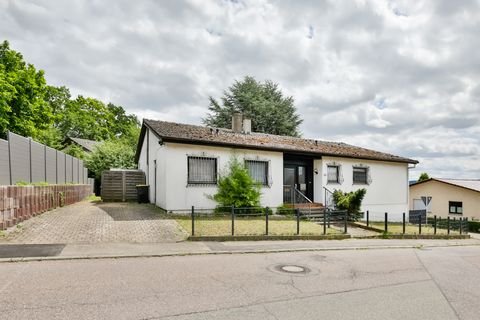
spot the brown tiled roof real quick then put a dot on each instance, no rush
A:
(186, 133)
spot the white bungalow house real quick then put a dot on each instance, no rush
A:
(182, 163)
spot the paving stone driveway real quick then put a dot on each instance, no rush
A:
(88, 222)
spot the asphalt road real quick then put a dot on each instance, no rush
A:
(433, 283)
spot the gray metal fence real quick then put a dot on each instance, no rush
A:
(24, 160)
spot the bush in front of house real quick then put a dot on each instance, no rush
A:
(237, 188)
(350, 201)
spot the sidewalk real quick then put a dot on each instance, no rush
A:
(25, 252)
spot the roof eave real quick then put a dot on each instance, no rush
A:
(284, 150)
(445, 182)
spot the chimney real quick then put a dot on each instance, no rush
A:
(237, 122)
(247, 126)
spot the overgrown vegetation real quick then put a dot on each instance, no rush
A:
(110, 154)
(350, 201)
(237, 188)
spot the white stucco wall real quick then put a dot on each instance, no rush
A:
(180, 195)
(317, 181)
(387, 192)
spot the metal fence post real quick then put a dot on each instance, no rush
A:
(420, 224)
(297, 211)
(435, 224)
(448, 225)
(403, 223)
(454, 223)
(386, 222)
(233, 220)
(345, 222)
(466, 223)
(460, 227)
(368, 218)
(266, 221)
(324, 222)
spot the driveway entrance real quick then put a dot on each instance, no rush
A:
(89, 222)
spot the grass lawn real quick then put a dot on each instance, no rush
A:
(397, 228)
(221, 226)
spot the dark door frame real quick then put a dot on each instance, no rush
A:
(296, 161)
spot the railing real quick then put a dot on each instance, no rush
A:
(288, 192)
(295, 197)
(329, 203)
(301, 201)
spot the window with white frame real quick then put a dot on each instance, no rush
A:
(360, 175)
(258, 170)
(202, 170)
(333, 174)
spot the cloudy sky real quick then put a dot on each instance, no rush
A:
(396, 76)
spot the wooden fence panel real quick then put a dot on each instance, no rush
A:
(120, 185)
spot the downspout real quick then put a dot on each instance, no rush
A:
(408, 182)
(148, 156)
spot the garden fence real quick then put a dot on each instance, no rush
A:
(24, 160)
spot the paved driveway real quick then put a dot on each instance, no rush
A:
(88, 222)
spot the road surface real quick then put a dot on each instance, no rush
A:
(432, 283)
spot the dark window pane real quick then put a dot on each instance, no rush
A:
(360, 175)
(455, 207)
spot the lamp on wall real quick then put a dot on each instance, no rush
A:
(315, 170)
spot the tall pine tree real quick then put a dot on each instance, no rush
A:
(264, 103)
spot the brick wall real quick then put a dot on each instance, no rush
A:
(19, 203)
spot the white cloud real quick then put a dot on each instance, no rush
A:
(397, 76)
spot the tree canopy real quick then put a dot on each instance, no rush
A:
(423, 176)
(48, 114)
(23, 108)
(264, 103)
(110, 154)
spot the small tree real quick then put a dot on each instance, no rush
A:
(110, 154)
(237, 188)
(350, 201)
(424, 176)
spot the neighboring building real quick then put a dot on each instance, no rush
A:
(182, 164)
(447, 197)
(85, 144)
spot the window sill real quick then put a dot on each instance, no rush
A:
(189, 185)
(360, 184)
(333, 182)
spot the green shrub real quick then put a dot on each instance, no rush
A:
(237, 188)
(284, 209)
(350, 201)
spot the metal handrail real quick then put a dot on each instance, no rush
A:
(328, 199)
(304, 196)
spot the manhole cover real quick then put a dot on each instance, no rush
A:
(293, 269)
(290, 268)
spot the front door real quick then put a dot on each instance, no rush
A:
(295, 176)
